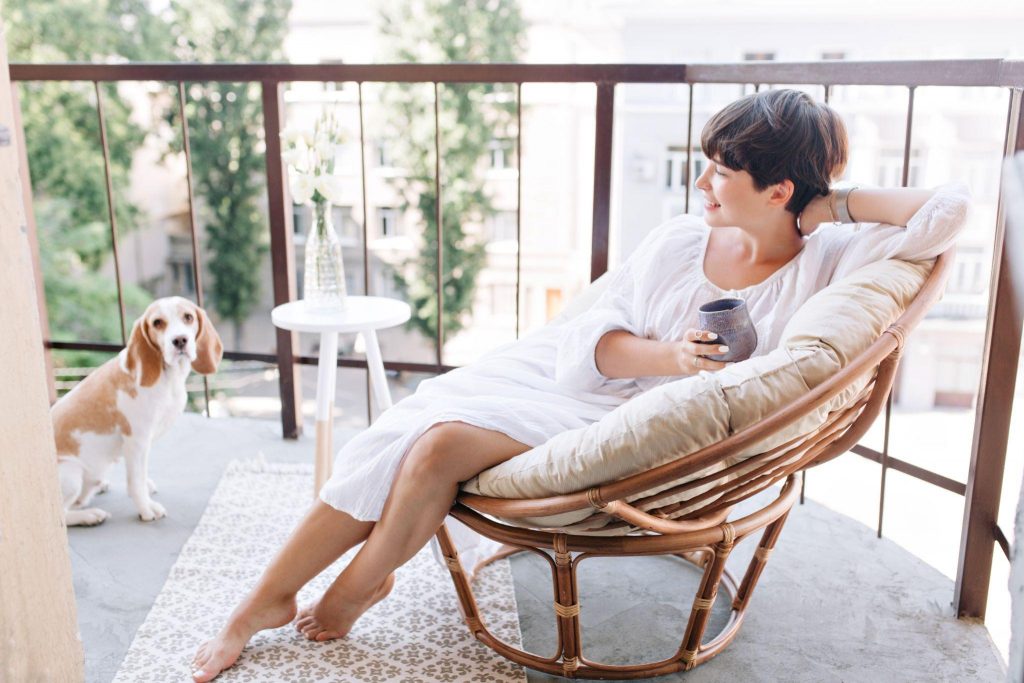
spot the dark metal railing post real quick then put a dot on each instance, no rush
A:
(519, 199)
(111, 209)
(197, 277)
(438, 217)
(690, 180)
(366, 232)
(282, 259)
(995, 401)
(602, 179)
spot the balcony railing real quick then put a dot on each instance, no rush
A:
(980, 531)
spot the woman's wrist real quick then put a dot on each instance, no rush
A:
(840, 204)
(814, 214)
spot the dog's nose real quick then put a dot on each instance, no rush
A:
(179, 342)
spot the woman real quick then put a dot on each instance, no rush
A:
(772, 158)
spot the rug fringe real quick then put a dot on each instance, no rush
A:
(260, 465)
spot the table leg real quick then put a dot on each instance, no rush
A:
(378, 380)
(327, 374)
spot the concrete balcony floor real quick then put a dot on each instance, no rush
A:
(834, 604)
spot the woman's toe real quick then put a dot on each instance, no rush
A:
(200, 658)
(327, 635)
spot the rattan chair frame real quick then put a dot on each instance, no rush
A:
(704, 534)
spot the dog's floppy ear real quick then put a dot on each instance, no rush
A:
(143, 355)
(209, 349)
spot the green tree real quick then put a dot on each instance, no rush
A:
(65, 156)
(471, 117)
(226, 126)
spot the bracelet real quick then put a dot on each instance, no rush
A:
(831, 207)
(842, 198)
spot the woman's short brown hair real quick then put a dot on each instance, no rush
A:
(778, 134)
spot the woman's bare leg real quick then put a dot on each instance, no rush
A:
(421, 495)
(320, 538)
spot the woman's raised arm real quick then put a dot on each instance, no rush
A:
(910, 224)
(893, 206)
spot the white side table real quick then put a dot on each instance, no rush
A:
(362, 314)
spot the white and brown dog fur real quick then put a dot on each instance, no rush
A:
(121, 407)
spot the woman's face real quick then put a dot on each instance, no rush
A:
(730, 198)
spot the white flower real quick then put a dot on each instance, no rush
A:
(297, 157)
(331, 187)
(292, 134)
(325, 150)
(302, 187)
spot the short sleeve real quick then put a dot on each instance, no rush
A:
(929, 232)
(620, 307)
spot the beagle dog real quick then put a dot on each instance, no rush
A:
(128, 401)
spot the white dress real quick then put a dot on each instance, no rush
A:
(547, 381)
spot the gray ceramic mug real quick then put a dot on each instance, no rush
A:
(729, 319)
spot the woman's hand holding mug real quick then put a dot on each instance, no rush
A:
(692, 353)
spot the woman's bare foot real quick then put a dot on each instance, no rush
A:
(222, 652)
(334, 614)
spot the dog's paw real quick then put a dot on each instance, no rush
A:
(151, 510)
(151, 486)
(86, 517)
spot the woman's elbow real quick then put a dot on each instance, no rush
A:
(604, 353)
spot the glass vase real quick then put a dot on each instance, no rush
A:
(323, 283)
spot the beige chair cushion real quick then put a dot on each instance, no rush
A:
(681, 417)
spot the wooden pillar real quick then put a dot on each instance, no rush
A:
(38, 625)
(282, 260)
(995, 396)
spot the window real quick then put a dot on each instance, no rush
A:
(890, 167)
(836, 55)
(676, 175)
(345, 223)
(502, 226)
(502, 153)
(675, 169)
(758, 56)
(388, 221)
(971, 270)
(182, 279)
(385, 154)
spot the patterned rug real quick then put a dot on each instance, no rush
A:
(416, 634)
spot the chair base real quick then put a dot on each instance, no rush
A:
(564, 552)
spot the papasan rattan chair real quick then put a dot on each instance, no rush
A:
(684, 507)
